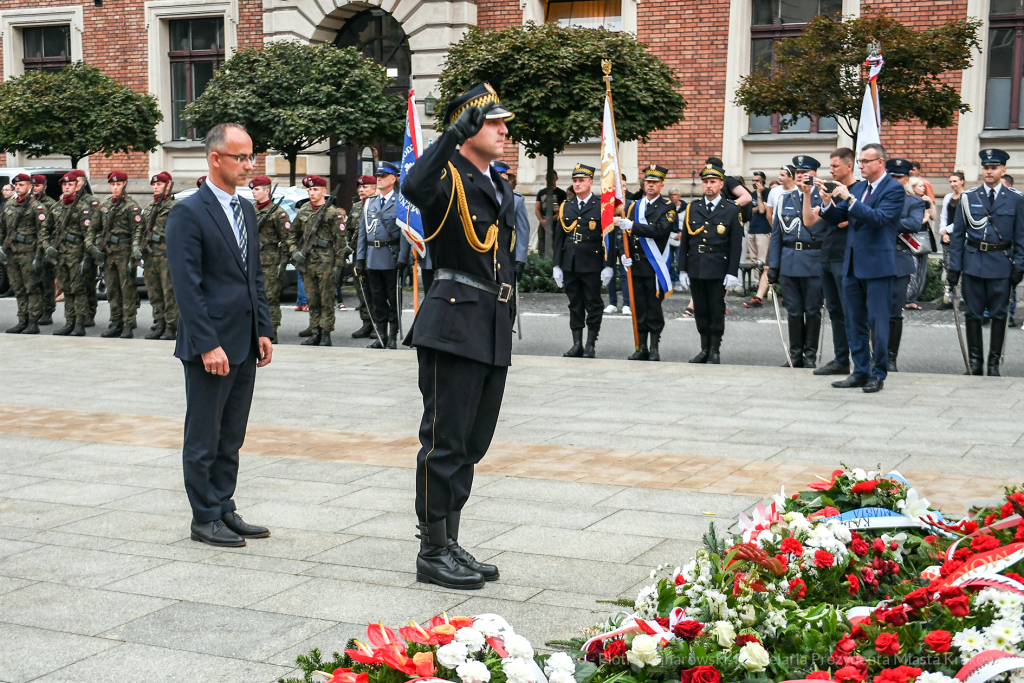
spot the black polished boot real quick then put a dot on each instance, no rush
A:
(812, 330)
(314, 339)
(127, 333)
(377, 342)
(363, 332)
(641, 353)
(66, 330)
(33, 327)
(113, 331)
(19, 328)
(588, 350)
(895, 335)
(436, 564)
(577, 345)
(393, 336)
(796, 341)
(325, 339)
(156, 332)
(705, 350)
(653, 353)
(90, 321)
(170, 333)
(714, 354)
(975, 347)
(488, 571)
(308, 332)
(995, 348)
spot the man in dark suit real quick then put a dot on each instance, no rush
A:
(463, 332)
(873, 207)
(224, 332)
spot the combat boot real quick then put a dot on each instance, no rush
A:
(975, 347)
(325, 339)
(641, 353)
(796, 341)
(895, 335)
(314, 339)
(577, 345)
(377, 342)
(113, 331)
(33, 327)
(588, 350)
(66, 330)
(995, 349)
(156, 333)
(705, 350)
(436, 564)
(170, 333)
(653, 351)
(812, 330)
(47, 319)
(714, 356)
(308, 332)
(488, 571)
(90, 321)
(127, 333)
(19, 328)
(393, 336)
(79, 330)
(363, 332)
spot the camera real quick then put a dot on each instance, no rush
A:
(830, 187)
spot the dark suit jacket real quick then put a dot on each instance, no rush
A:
(722, 230)
(871, 234)
(1005, 224)
(221, 301)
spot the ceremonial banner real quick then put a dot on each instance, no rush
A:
(870, 122)
(409, 218)
(611, 177)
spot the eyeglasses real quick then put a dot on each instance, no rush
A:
(240, 158)
(862, 162)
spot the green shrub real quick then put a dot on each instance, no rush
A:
(933, 285)
(537, 277)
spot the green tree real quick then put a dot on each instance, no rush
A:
(292, 96)
(77, 112)
(821, 73)
(556, 86)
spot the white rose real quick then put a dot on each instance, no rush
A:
(561, 676)
(725, 633)
(842, 533)
(559, 661)
(643, 651)
(517, 646)
(471, 638)
(748, 616)
(473, 671)
(753, 657)
(516, 670)
(451, 655)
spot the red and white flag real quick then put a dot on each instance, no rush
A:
(611, 178)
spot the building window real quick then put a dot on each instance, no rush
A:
(585, 13)
(47, 48)
(1003, 91)
(774, 20)
(197, 51)
(379, 36)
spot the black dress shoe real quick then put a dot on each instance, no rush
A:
(575, 352)
(216, 533)
(873, 385)
(436, 564)
(313, 340)
(701, 357)
(233, 521)
(833, 368)
(850, 382)
(308, 332)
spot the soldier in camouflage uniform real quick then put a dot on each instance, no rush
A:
(150, 244)
(274, 225)
(367, 187)
(121, 215)
(71, 222)
(317, 245)
(49, 276)
(90, 277)
(24, 236)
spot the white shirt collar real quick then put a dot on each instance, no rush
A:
(714, 202)
(224, 199)
(997, 188)
(583, 200)
(384, 198)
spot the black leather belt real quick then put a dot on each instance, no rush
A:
(712, 248)
(803, 246)
(156, 239)
(323, 244)
(502, 291)
(72, 238)
(383, 243)
(988, 246)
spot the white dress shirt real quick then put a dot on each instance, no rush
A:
(225, 203)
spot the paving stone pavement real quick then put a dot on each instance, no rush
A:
(600, 470)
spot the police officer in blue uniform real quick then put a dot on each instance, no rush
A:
(794, 260)
(906, 264)
(522, 222)
(987, 248)
(383, 254)
(581, 264)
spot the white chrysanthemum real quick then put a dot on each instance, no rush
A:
(471, 638)
(559, 661)
(969, 640)
(561, 677)
(841, 533)
(472, 671)
(486, 627)
(932, 677)
(646, 604)
(517, 646)
(1004, 634)
(452, 655)
(516, 670)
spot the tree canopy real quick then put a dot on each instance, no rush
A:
(77, 112)
(291, 96)
(821, 73)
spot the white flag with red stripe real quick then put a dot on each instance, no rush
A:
(611, 177)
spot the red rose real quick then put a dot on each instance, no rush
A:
(854, 584)
(930, 538)
(865, 487)
(797, 589)
(744, 638)
(850, 674)
(938, 640)
(615, 651)
(901, 674)
(688, 629)
(991, 518)
(859, 546)
(700, 674)
(823, 559)
(897, 616)
(594, 651)
(983, 543)
(662, 622)
(918, 598)
(1014, 575)
(947, 593)
(893, 567)
(792, 546)
(887, 643)
(844, 648)
(680, 581)
(959, 607)
(818, 676)
(858, 633)
(950, 566)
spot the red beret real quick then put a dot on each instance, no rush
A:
(22, 178)
(77, 173)
(117, 177)
(314, 181)
(202, 179)
(68, 178)
(39, 179)
(366, 180)
(259, 181)
(161, 177)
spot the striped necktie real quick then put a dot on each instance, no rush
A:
(236, 207)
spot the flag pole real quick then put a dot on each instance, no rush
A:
(415, 284)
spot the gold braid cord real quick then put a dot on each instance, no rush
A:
(490, 242)
(686, 220)
(561, 219)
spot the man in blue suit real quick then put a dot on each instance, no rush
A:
(224, 332)
(873, 207)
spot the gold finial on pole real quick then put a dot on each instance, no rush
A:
(606, 67)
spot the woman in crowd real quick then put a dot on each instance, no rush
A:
(950, 204)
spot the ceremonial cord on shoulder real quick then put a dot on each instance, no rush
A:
(561, 219)
(491, 241)
(686, 219)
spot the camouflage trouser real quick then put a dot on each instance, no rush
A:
(365, 297)
(122, 295)
(69, 274)
(270, 259)
(89, 282)
(319, 284)
(47, 289)
(158, 285)
(25, 283)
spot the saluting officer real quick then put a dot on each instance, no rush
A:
(906, 265)
(581, 263)
(49, 274)
(273, 224)
(383, 254)
(24, 237)
(987, 246)
(709, 258)
(121, 215)
(463, 333)
(366, 187)
(794, 259)
(648, 223)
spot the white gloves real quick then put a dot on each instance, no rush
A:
(606, 275)
(625, 224)
(684, 279)
(627, 262)
(731, 281)
(556, 273)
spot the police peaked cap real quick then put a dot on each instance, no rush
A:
(802, 162)
(116, 176)
(584, 171)
(898, 168)
(386, 168)
(500, 166)
(477, 97)
(993, 157)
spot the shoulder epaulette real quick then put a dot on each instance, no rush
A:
(1014, 190)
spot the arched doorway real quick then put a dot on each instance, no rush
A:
(378, 36)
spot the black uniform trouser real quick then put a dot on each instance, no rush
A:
(709, 306)
(461, 400)
(647, 303)
(832, 290)
(802, 296)
(983, 294)
(382, 285)
(585, 302)
(899, 296)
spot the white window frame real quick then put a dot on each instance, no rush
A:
(14, 21)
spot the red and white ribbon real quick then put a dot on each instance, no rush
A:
(987, 665)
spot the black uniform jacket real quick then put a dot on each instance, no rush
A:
(710, 244)
(578, 244)
(661, 222)
(455, 317)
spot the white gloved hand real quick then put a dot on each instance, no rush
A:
(606, 275)
(684, 279)
(626, 224)
(731, 281)
(627, 262)
(556, 273)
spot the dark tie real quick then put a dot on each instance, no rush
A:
(991, 195)
(868, 195)
(711, 207)
(236, 207)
